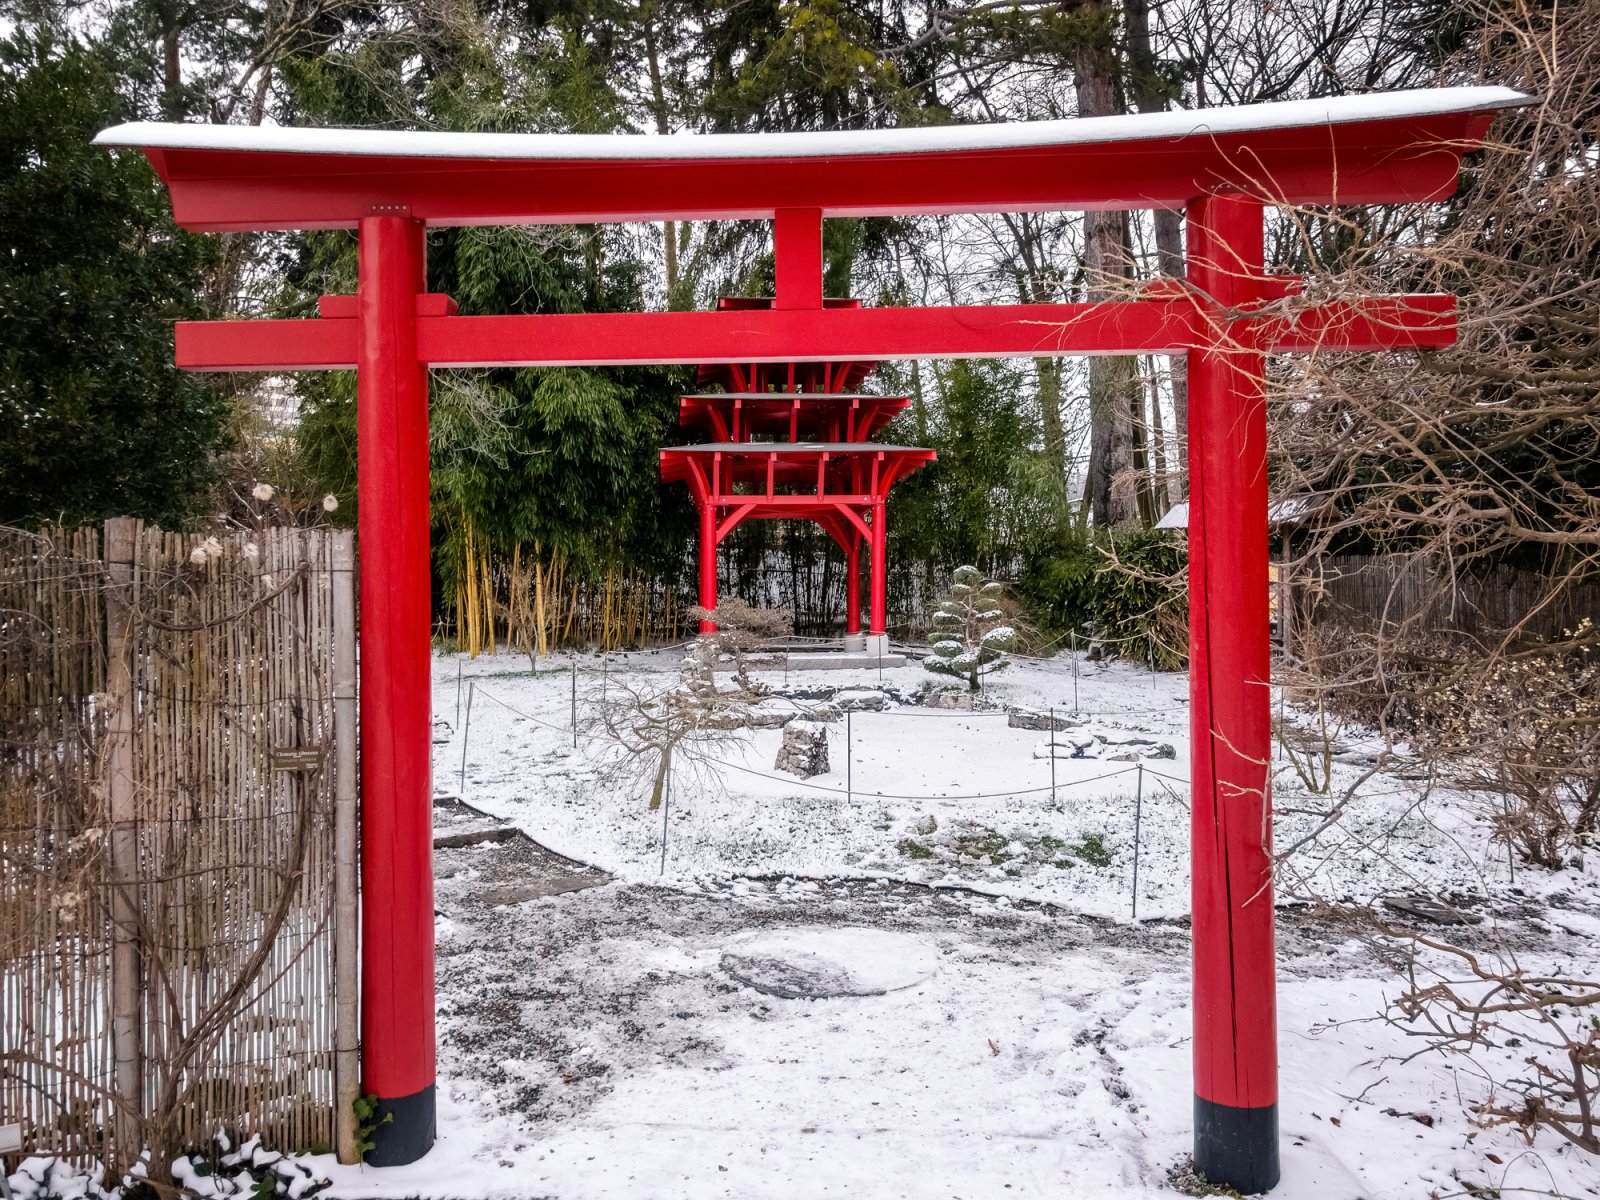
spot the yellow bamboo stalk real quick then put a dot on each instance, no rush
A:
(539, 615)
(471, 577)
(488, 599)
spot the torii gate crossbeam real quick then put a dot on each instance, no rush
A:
(1221, 166)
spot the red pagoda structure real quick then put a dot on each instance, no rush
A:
(791, 440)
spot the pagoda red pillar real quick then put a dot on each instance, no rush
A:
(708, 563)
(397, 1034)
(1235, 1014)
(852, 585)
(880, 574)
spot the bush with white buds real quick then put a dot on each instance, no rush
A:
(973, 629)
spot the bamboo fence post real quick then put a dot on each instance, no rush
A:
(121, 536)
(346, 1061)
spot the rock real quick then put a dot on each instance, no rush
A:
(1122, 739)
(1131, 748)
(1018, 717)
(861, 699)
(1427, 909)
(778, 711)
(1073, 745)
(769, 714)
(805, 749)
(820, 963)
(960, 701)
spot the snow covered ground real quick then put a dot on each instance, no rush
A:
(928, 986)
(929, 795)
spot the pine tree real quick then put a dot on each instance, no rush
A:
(973, 629)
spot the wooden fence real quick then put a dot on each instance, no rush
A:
(1390, 592)
(177, 835)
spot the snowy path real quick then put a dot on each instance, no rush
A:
(593, 1044)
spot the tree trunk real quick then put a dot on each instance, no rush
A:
(1148, 96)
(1113, 382)
(1055, 436)
(658, 105)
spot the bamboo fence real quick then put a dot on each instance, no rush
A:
(170, 887)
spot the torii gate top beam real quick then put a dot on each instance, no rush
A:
(1386, 148)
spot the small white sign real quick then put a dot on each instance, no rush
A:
(10, 1139)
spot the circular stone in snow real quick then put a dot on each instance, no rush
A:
(814, 962)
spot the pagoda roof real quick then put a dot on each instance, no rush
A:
(799, 415)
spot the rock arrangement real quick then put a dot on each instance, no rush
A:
(805, 749)
(1019, 717)
(1108, 747)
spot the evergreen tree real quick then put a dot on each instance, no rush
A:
(972, 629)
(95, 421)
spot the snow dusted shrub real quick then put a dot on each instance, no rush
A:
(974, 627)
(742, 629)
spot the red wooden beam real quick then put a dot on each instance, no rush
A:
(1378, 323)
(269, 179)
(1159, 326)
(797, 257)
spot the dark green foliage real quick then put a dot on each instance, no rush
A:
(1126, 590)
(1091, 848)
(95, 421)
(562, 460)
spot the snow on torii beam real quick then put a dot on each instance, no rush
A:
(1220, 165)
(1353, 150)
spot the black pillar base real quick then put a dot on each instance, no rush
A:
(404, 1131)
(1236, 1147)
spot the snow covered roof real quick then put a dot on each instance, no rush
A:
(1183, 123)
(1177, 517)
(1289, 511)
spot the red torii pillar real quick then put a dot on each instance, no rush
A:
(1235, 977)
(397, 998)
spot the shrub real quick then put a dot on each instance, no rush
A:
(1127, 591)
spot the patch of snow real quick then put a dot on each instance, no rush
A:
(822, 962)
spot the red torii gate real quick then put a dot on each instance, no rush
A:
(1220, 165)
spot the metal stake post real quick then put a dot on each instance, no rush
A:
(849, 785)
(574, 701)
(1138, 804)
(466, 732)
(1052, 757)
(666, 808)
(1074, 636)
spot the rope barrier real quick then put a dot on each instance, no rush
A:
(523, 715)
(822, 787)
